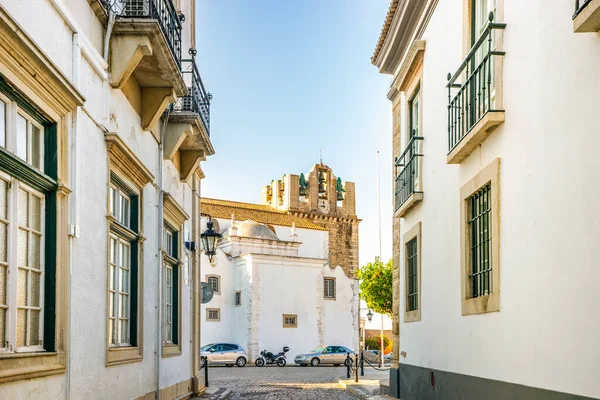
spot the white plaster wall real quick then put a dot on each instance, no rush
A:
(89, 377)
(340, 315)
(315, 244)
(544, 335)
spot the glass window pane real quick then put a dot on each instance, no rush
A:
(124, 332)
(2, 123)
(124, 278)
(34, 328)
(22, 287)
(3, 278)
(3, 198)
(2, 327)
(23, 208)
(124, 312)
(21, 137)
(23, 248)
(35, 289)
(36, 216)
(21, 331)
(36, 147)
(35, 251)
(3, 241)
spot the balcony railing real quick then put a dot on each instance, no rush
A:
(198, 99)
(472, 99)
(579, 6)
(407, 181)
(161, 10)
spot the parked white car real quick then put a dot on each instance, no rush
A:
(228, 354)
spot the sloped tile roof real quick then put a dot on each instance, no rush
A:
(385, 29)
(264, 214)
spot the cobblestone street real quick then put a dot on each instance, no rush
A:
(285, 383)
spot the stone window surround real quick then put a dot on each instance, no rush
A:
(330, 278)
(218, 277)
(410, 80)
(123, 164)
(492, 119)
(287, 325)
(414, 232)
(27, 68)
(174, 220)
(208, 310)
(490, 303)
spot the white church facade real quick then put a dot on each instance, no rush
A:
(273, 277)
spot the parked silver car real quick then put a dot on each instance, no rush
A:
(335, 355)
(228, 354)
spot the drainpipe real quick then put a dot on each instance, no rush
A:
(73, 205)
(109, 28)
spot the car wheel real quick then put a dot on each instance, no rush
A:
(348, 362)
(259, 362)
(241, 362)
(229, 365)
(315, 362)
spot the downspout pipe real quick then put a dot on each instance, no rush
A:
(109, 28)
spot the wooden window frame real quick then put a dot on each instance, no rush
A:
(331, 279)
(491, 302)
(288, 325)
(412, 233)
(218, 278)
(209, 310)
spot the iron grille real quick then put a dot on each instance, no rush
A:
(472, 99)
(407, 180)
(412, 291)
(163, 11)
(198, 99)
(579, 6)
(480, 228)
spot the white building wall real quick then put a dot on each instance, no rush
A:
(544, 335)
(105, 110)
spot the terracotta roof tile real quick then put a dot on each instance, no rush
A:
(385, 29)
(217, 208)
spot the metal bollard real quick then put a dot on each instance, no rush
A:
(347, 366)
(355, 368)
(362, 363)
(205, 371)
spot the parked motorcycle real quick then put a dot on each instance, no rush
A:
(266, 357)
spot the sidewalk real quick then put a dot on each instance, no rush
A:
(367, 387)
(214, 393)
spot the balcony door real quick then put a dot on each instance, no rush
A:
(482, 68)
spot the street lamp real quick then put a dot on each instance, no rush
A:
(370, 315)
(209, 240)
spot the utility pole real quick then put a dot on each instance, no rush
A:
(380, 259)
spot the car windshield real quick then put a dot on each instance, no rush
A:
(318, 349)
(206, 347)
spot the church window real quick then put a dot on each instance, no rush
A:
(290, 321)
(329, 288)
(215, 283)
(213, 314)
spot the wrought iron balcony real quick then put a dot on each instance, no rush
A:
(469, 102)
(198, 99)
(163, 11)
(579, 6)
(408, 180)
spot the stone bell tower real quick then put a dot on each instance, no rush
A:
(327, 201)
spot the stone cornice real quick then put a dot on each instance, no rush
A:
(124, 160)
(408, 23)
(413, 59)
(22, 59)
(174, 213)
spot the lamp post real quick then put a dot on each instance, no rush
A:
(209, 241)
(370, 315)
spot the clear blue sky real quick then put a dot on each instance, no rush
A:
(291, 78)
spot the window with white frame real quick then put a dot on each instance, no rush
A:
(21, 134)
(329, 288)
(21, 267)
(170, 285)
(122, 285)
(214, 282)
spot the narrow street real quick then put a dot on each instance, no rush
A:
(289, 383)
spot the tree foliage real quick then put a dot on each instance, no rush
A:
(376, 285)
(374, 343)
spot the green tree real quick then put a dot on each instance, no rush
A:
(376, 285)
